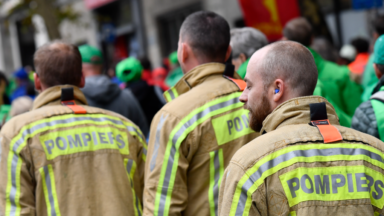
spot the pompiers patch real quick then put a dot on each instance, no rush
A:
(65, 142)
(333, 183)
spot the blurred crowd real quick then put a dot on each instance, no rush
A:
(134, 89)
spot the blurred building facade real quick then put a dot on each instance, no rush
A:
(122, 28)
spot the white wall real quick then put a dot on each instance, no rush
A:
(353, 24)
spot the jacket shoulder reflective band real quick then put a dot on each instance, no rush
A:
(377, 101)
(239, 83)
(68, 99)
(319, 119)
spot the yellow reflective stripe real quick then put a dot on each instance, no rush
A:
(377, 214)
(216, 170)
(333, 184)
(171, 94)
(231, 126)
(130, 167)
(49, 187)
(167, 96)
(290, 155)
(292, 213)
(14, 162)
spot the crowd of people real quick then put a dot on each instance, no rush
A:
(231, 124)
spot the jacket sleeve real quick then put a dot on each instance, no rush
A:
(165, 191)
(364, 120)
(141, 158)
(17, 184)
(229, 200)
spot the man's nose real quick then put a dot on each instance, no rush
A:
(244, 97)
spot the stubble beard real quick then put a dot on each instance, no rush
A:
(259, 113)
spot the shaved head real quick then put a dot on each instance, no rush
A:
(277, 73)
(289, 61)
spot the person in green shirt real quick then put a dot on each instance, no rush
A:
(369, 77)
(245, 42)
(176, 73)
(335, 83)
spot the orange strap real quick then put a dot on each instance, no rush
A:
(328, 131)
(74, 107)
(240, 83)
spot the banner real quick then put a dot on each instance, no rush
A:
(92, 4)
(269, 16)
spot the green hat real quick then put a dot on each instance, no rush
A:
(173, 58)
(379, 51)
(91, 55)
(129, 70)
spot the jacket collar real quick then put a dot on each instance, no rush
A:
(193, 78)
(296, 111)
(52, 96)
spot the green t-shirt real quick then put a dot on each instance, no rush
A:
(340, 90)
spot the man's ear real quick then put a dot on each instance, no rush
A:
(228, 54)
(82, 81)
(37, 82)
(279, 90)
(377, 71)
(184, 52)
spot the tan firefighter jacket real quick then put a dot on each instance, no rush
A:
(193, 138)
(56, 162)
(289, 170)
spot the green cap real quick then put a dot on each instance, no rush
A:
(91, 55)
(173, 58)
(129, 70)
(379, 51)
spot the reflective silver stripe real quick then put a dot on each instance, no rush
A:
(133, 129)
(293, 154)
(129, 168)
(49, 189)
(28, 131)
(175, 138)
(171, 94)
(217, 165)
(157, 141)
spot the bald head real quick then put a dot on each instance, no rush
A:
(289, 61)
(298, 30)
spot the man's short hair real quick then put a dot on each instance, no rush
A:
(299, 30)
(208, 34)
(58, 63)
(293, 63)
(246, 41)
(378, 25)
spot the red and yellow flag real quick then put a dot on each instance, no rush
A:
(269, 16)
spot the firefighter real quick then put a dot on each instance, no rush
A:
(203, 124)
(305, 163)
(64, 157)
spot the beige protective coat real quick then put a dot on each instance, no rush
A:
(290, 171)
(54, 162)
(193, 138)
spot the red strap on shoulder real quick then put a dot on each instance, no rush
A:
(328, 131)
(74, 107)
(240, 83)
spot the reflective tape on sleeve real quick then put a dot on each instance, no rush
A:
(49, 187)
